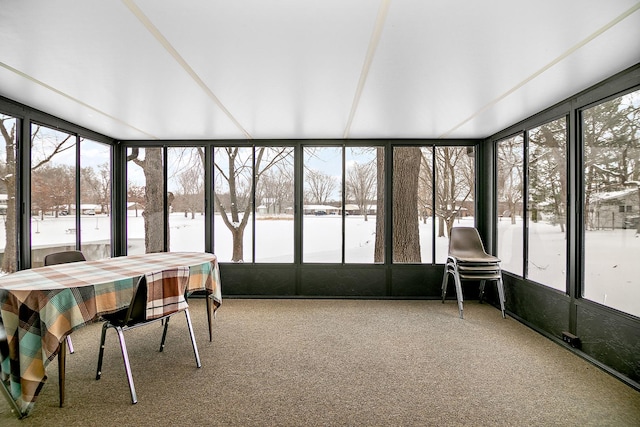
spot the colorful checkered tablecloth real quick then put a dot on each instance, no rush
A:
(41, 306)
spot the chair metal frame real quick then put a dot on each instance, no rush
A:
(129, 318)
(468, 260)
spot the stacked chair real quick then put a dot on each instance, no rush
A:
(467, 260)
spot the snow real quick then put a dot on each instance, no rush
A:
(611, 256)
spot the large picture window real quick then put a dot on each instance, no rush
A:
(433, 191)
(322, 219)
(95, 199)
(53, 192)
(185, 195)
(145, 200)
(611, 210)
(510, 191)
(547, 198)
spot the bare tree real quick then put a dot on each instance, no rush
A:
(44, 151)
(319, 186)
(242, 170)
(104, 189)
(275, 189)
(510, 174)
(454, 185)
(361, 185)
(191, 184)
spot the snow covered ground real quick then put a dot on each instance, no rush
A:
(612, 257)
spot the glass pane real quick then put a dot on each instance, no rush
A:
(145, 200)
(275, 201)
(233, 205)
(407, 162)
(95, 199)
(510, 189)
(322, 219)
(53, 192)
(611, 139)
(361, 205)
(455, 185)
(185, 186)
(8, 212)
(546, 222)
(425, 204)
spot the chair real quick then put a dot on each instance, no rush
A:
(467, 260)
(55, 258)
(4, 370)
(157, 297)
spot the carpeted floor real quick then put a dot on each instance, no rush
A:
(336, 363)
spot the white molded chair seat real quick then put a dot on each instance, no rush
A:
(467, 260)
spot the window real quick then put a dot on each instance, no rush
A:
(510, 190)
(274, 219)
(53, 192)
(433, 191)
(145, 200)
(233, 203)
(364, 239)
(8, 211)
(322, 209)
(95, 199)
(611, 209)
(547, 196)
(185, 196)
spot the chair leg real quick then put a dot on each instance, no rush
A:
(10, 400)
(62, 363)
(193, 338)
(101, 353)
(458, 292)
(482, 285)
(164, 332)
(70, 345)
(445, 281)
(209, 309)
(127, 366)
(501, 296)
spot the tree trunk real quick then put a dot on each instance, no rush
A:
(378, 252)
(406, 235)
(9, 259)
(154, 201)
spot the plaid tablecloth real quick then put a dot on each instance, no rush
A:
(41, 306)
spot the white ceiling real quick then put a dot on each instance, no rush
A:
(220, 69)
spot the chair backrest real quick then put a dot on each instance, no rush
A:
(64, 257)
(157, 295)
(465, 241)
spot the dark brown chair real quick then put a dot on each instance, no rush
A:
(63, 257)
(467, 260)
(157, 297)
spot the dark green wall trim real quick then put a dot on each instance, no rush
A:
(336, 280)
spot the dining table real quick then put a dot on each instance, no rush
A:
(41, 306)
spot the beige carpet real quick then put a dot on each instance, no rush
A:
(336, 363)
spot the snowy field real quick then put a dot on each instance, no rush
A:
(611, 256)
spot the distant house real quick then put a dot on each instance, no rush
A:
(613, 209)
